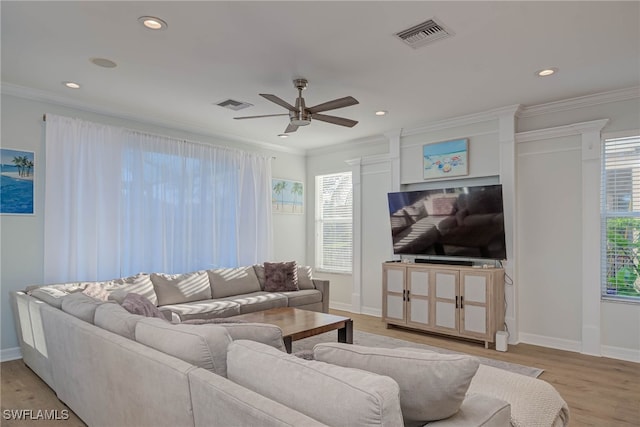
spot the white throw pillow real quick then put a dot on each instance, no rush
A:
(432, 385)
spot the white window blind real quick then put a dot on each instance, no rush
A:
(621, 218)
(334, 213)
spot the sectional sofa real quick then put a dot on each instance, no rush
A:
(115, 368)
(202, 294)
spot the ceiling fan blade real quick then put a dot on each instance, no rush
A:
(257, 117)
(291, 128)
(278, 101)
(334, 120)
(332, 105)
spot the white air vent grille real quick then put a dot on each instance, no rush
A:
(424, 33)
(233, 104)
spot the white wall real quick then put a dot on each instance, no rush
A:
(550, 172)
(21, 247)
(326, 161)
(549, 227)
(554, 178)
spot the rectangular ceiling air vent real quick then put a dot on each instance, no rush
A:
(424, 33)
(233, 104)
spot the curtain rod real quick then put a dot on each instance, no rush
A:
(44, 119)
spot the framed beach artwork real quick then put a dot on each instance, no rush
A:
(287, 196)
(446, 159)
(17, 169)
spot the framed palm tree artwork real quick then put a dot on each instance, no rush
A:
(287, 196)
(17, 169)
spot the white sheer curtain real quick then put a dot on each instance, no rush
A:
(118, 202)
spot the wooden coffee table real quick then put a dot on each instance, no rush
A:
(297, 324)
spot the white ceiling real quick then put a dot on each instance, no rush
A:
(214, 50)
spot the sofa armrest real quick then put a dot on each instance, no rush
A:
(323, 286)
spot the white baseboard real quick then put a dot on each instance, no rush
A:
(544, 341)
(341, 306)
(376, 312)
(370, 311)
(628, 354)
(10, 354)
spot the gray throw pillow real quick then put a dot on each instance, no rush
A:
(432, 385)
(139, 304)
(280, 276)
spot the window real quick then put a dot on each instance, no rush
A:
(620, 205)
(334, 235)
(120, 201)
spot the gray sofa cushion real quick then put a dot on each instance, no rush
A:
(220, 402)
(432, 385)
(180, 288)
(302, 297)
(260, 332)
(227, 282)
(479, 410)
(116, 319)
(258, 301)
(331, 394)
(52, 295)
(206, 309)
(81, 306)
(204, 346)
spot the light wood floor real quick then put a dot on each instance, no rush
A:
(601, 392)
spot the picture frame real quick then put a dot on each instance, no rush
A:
(17, 177)
(445, 159)
(287, 196)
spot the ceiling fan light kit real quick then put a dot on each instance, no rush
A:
(301, 115)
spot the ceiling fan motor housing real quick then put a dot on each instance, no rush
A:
(300, 118)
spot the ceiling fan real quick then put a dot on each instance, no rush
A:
(301, 115)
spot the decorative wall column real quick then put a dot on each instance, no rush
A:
(394, 157)
(356, 274)
(508, 179)
(591, 182)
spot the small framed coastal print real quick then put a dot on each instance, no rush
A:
(287, 196)
(17, 171)
(446, 159)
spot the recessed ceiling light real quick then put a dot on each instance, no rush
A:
(71, 85)
(381, 112)
(153, 23)
(103, 62)
(283, 135)
(546, 72)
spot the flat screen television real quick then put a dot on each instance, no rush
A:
(465, 222)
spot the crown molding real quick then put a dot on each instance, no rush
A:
(469, 119)
(48, 97)
(561, 131)
(342, 146)
(581, 102)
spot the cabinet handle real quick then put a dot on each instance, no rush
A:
(404, 295)
(408, 295)
(456, 301)
(461, 301)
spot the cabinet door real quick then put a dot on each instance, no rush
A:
(418, 297)
(446, 300)
(393, 287)
(475, 293)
